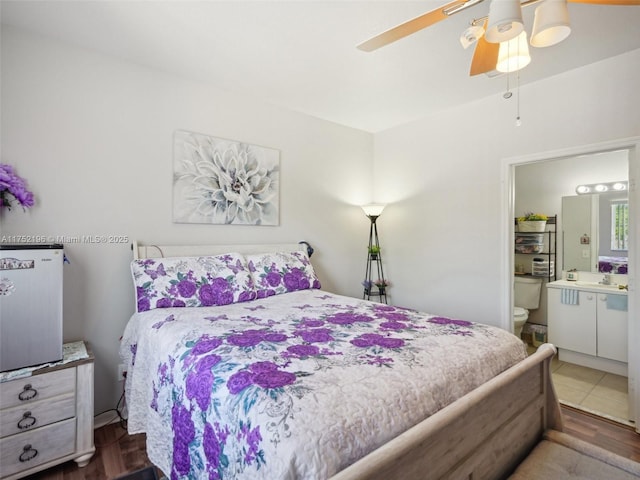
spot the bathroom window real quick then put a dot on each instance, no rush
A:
(620, 226)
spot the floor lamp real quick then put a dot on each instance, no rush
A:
(374, 257)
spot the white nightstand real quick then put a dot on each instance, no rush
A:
(46, 418)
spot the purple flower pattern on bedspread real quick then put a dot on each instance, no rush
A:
(231, 389)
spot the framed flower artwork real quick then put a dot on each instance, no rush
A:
(220, 181)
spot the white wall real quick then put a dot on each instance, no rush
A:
(93, 137)
(442, 179)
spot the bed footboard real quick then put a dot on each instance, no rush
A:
(483, 435)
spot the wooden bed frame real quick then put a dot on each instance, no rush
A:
(482, 435)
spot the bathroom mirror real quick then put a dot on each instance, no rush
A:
(594, 232)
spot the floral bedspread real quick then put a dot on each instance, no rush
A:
(295, 386)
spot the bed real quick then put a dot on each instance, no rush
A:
(265, 375)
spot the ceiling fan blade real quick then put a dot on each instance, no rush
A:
(608, 2)
(407, 28)
(485, 56)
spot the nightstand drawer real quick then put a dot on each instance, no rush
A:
(23, 418)
(23, 391)
(30, 449)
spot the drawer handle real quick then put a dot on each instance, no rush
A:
(28, 453)
(27, 393)
(27, 421)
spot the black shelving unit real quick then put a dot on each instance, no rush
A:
(548, 253)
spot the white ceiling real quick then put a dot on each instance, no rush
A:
(301, 54)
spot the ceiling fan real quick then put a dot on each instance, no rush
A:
(499, 36)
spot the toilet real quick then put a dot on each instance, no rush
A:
(526, 296)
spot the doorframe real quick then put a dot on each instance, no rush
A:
(507, 213)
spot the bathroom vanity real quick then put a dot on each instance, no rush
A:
(588, 323)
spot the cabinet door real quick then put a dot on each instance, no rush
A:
(572, 327)
(612, 331)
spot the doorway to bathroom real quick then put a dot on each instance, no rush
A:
(537, 184)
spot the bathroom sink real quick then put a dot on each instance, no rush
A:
(596, 284)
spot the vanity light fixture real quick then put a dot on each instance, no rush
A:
(602, 187)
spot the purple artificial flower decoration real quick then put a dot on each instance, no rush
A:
(11, 185)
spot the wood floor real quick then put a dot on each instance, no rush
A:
(118, 453)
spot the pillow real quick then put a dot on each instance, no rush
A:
(282, 272)
(192, 281)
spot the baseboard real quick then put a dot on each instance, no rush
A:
(104, 419)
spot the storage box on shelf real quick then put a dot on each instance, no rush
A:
(46, 418)
(541, 267)
(530, 248)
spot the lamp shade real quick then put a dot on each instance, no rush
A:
(505, 21)
(550, 24)
(373, 210)
(514, 54)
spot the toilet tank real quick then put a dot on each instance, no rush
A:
(527, 292)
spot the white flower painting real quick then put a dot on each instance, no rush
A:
(219, 181)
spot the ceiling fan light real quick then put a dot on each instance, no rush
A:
(550, 24)
(514, 54)
(505, 21)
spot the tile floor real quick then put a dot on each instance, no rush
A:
(602, 393)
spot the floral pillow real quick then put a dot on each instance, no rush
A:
(282, 272)
(192, 281)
